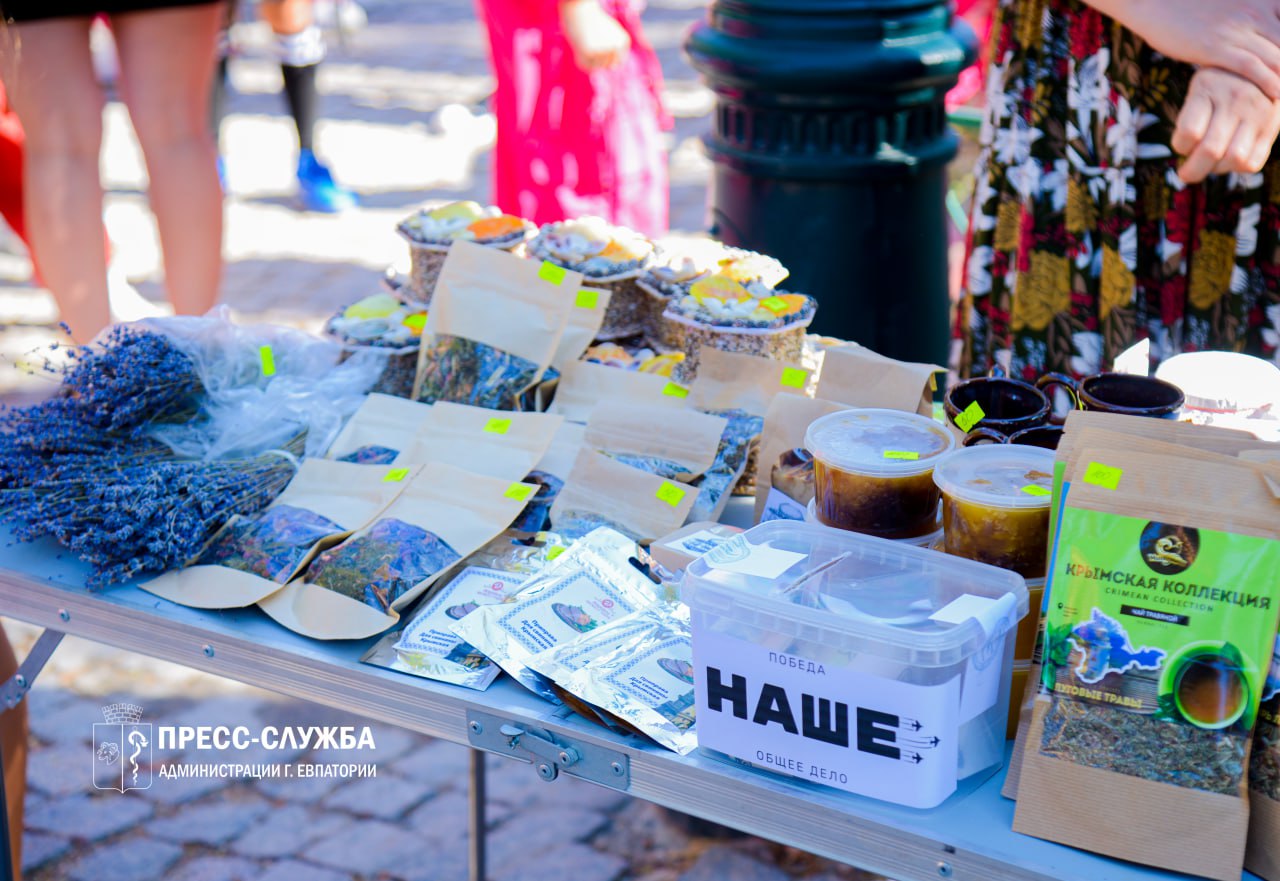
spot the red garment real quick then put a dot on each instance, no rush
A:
(979, 14)
(572, 142)
(11, 141)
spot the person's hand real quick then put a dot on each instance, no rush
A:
(1226, 125)
(597, 40)
(1241, 36)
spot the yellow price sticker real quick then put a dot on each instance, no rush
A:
(970, 416)
(497, 425)
(550, 272)
(416, 322)
(776, 305)
(268, 358)
(671, 390)
(1104, 476)
(670, 493)
(1033, 490)
(901, 454)
(794, 377)
(555, 552)
(395, 475)
(587, 298)
(520, 492)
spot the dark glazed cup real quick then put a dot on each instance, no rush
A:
(1044, 436)
(1009, 405)
(1121, 393)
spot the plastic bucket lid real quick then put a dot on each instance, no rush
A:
(888, 443)
(998, 476)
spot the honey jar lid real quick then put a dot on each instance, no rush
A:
(889, 443)
(998, 475)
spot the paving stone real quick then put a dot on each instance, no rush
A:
(45, 699)
(295, 870)
(38, 849)
(215, 868)
(446, 817)
(70, 723)
(718, 863)
(180, 790)
(365, 846)
(384, 797)
(61, 769)
(285, 831)
(573, 860)
(91, 818)
(531, 832)
(445, 863)
(307, 790)
(209, 824)
(437, 763)
(134, 859)
(591, 796)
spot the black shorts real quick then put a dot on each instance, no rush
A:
(17, 11)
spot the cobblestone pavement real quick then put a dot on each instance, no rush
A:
(384, 135)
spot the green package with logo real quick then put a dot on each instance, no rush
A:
(1158, 636)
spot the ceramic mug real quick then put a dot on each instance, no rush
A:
(1045, 436)
(1008, 405)
(1125, 394)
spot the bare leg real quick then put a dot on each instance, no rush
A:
(48, 73)
(167, 60)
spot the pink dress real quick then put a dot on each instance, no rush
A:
(570, 142)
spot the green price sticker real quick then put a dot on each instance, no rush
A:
(497, 425)
(901, 454)
(776, 305)
(1103, 475)
(1032, 490)
(268, 358)
(519, 492)
(671, 390)
(587, 298)
(670, 493)
(550, 272)
(555, 552)
(794, 377)
(416, 322)
(970, 416)
(395, 475)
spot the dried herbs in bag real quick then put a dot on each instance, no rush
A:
(740, 437)
(358, 588)
(252, 556)
(380, 431)
(585, 385)
(676, 444)
(506, 445)
(858, 377)
(602, 492)
(785, 424)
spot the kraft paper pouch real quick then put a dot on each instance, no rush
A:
(358, 588)
(252, 556)
(602, 492)
(785, 424)
(380, 431)
(1159, 636)
(1267, 454)
(1088, 430)
(644, 679)
(426, 646)
(675, 551)
(677, 444)
(1262, 856)
(549, 476)
(858, 377)
(586, 587)
(506, 445)
(494, 324)
(585, 318)
(583, 385)
(740, 439)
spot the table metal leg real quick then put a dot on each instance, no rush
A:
(476, 840)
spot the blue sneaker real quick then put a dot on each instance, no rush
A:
(317, 189)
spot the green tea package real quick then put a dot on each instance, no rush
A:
(674, 443)
(494, 325)
(252, 556)
(583, 385)
(380, 431)
(785, 424)
(506, 444)
(1158, 640)
(858, 377)
(586, 587)
(1262, 856)
(603, 492)
(358, 588)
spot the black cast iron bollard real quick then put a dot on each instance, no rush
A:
(830, 143)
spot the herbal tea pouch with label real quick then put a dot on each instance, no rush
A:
(494, 324)
(586, 587)
(358, 588)
(676, 444)
(380, 431)
(603, 492)
(583, 385)
(785, 425)
(1158, 640)
(252, 556)
(858, 377)
(506, 445)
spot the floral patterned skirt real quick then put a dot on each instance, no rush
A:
(1083, 240)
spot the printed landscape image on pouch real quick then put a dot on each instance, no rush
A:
(387, 560)
(371, 454)
(270, 544)
(662, 678)
(468, 372)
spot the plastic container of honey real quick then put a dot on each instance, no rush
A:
(995, 505)
(873, 471)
